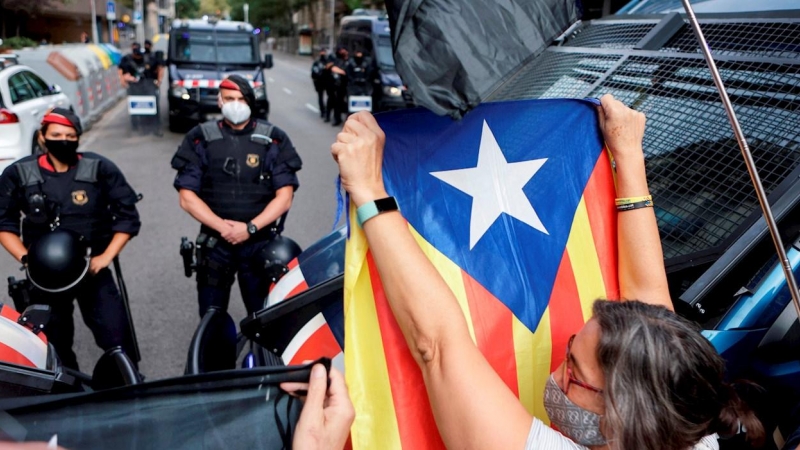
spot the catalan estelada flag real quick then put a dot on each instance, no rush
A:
(514, 205)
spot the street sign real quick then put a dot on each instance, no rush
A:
(137, 17)
(111, 10)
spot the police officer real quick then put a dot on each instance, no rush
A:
(337, 89)
(84, 193)
(140, 73)
(358, 76)
(318, 77)
(237, 177)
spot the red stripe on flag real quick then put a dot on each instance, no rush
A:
(292, 264)
(599, 196)
(320, 344)
(566, 314)
(298, 289)
(415, 422)
(9, 355)
(492, 322)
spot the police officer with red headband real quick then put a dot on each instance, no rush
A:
(86, 194)
(237, 177)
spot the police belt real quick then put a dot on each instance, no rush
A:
(264, 234)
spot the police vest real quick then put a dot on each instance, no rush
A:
(237, 183)
(359, 75)
(74, 202)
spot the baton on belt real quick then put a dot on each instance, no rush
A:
(123, 290)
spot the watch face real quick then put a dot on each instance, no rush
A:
(251, 228)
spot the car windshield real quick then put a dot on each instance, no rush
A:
(219, 47)
(383, 52)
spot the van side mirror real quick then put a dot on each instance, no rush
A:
(268, 61)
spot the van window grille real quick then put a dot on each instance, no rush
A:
(698, 179)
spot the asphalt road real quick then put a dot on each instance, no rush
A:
(163, 300)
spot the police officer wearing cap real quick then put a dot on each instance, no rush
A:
(237, 177)
(83, 193)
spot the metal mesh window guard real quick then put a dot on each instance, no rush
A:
(698, 179)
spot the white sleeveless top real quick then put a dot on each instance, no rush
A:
(542, 437)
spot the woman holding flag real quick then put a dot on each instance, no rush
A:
(636, 376)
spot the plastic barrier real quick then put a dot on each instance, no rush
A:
(86, 73)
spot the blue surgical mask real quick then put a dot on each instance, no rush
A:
(578, 424)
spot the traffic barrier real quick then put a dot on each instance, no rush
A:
(85, 73)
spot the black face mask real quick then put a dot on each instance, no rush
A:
(64, 151)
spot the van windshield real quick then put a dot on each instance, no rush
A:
(200, 46)
(383, 52)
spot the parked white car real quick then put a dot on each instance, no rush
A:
(24, 98)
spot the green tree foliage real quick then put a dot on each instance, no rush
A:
(275, 14)
(188, 9)
(214, 7)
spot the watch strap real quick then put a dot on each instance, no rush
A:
(252, 228)
(371, 209)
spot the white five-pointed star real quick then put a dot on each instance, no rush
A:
(495, 186)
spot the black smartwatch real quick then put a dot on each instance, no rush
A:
(251, 228)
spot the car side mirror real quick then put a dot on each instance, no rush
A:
(55, 89)
(268, 61)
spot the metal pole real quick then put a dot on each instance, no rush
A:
(94, 22)
(333, 25)
(138, 7)
(246, 8)
(748, 157)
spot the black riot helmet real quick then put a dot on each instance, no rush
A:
(58, 261)
(277, 255)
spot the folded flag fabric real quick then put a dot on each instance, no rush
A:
(514, 206)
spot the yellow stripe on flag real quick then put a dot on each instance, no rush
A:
(451, 274)
(533, 351)
(585, 264)
(368, 381)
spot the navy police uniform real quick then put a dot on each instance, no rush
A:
(93, 199)
(236, 173)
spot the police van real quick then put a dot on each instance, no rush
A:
(368, 32)
(201, 54)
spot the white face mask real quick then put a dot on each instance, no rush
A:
(237, 113)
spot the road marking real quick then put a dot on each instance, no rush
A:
(312, 107)
(270, 79)
(287, 91)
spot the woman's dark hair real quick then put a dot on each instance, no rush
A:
(664, 387)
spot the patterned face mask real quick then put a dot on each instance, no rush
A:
(578, 424)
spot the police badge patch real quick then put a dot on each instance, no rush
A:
(79, 197)
(252, 160)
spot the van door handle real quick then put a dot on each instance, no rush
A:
(34, 112)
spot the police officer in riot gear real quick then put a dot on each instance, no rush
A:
(237, 177)
(359, 75)
(318, 76)
(83, 193)
(337, 87)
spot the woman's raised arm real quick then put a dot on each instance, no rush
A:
(641, 262)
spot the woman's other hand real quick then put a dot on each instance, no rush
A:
(327, 414)
(359, 152)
